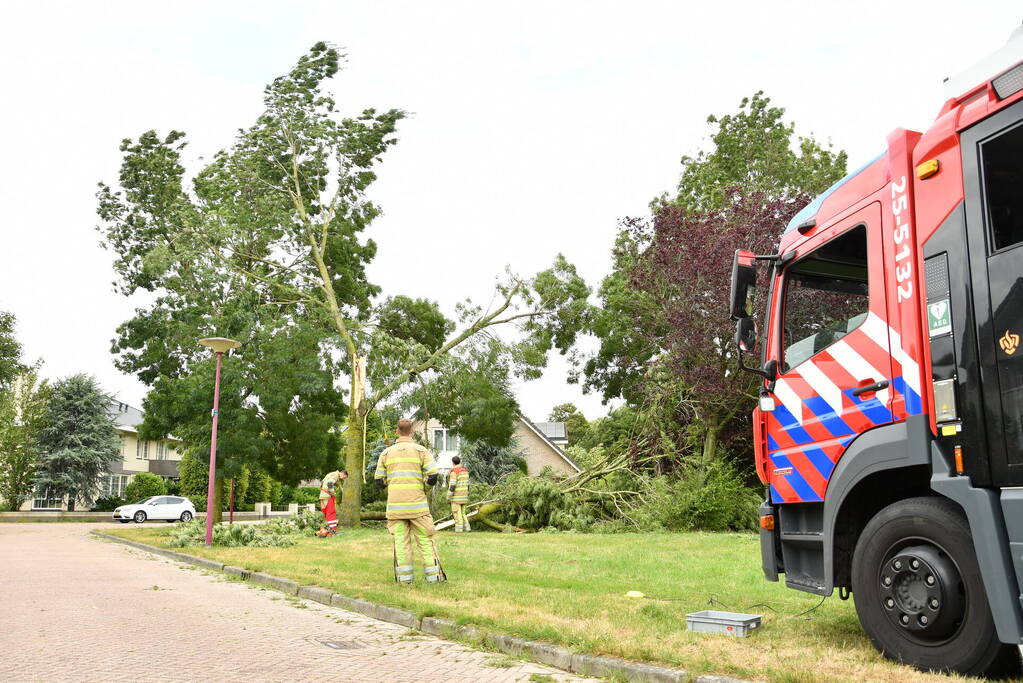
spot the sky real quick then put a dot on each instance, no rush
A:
(534, 127)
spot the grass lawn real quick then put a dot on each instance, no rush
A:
(569, 589)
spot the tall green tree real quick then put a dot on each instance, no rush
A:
(193, 478)
(10, 350)
(271, 232)
(577, 426)
(23, 409)
(278, 402)
(260, 488)
(756, 150)
(79, 440)
(488, 464)
(661, 323)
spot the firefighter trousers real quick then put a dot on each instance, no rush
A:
(330, 513)
(402, 532)
(458, 513)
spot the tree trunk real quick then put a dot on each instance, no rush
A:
(351, 500)
(483, 515)
(710, 443)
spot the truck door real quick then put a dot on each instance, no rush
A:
(993, 185)
(833, 356)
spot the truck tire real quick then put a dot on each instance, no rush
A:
(918, 591)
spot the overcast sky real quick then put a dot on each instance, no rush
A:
(534, 127)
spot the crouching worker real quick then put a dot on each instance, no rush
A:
(330, 489)
(407, 469)
(458, 494)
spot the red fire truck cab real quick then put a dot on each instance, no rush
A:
(889, 432)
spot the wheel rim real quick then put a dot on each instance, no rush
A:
(186, 517)
(140, 517)
(922, 591)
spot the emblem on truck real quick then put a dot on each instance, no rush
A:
(1009, 343)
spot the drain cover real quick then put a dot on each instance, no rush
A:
(341, 644)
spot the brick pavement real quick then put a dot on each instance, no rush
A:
(76, 607)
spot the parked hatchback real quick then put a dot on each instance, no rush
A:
(168, 508)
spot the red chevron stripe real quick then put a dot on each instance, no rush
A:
(787, 493)
(811, 423)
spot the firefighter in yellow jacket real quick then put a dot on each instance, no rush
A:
(330, 491)
(458, 494)
(408, 470)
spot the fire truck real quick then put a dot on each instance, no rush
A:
(889, 431)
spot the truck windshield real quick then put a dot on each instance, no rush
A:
(826, 296)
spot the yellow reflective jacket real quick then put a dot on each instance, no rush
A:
(458, 484)
(330, 485)
(404, 468)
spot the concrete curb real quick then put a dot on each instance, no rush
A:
(242, 574)
(542, 653)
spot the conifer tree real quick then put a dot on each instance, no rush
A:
(79, 441)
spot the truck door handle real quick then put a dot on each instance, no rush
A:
(870, 388)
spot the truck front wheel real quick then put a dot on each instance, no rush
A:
(919, 594)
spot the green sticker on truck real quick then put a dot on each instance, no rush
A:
(939, 318)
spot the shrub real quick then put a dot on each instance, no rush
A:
(275, 533)
(260, 488)
(585, 458)
(372, 492)
(308, 519)
(710, 498)
(144, 485)
(713, 498)
(173, 488)
(276, 493)
(488, 464)
(194, 476)
(287, 496)
(108, 504)
(540, 502)
(306, 494)
(241, 486)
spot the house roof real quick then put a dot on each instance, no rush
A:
(553, 430)
(128, 418)
(546, 439)
(125, 415)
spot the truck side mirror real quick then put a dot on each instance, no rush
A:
(746, 334)
(744, 283)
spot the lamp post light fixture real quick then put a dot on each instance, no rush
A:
(219, 345)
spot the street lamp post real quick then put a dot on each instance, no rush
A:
(219, 345)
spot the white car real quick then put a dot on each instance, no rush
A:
(169, 508)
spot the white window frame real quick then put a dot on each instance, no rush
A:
(46, 501)
(114, 485)
(447, 439)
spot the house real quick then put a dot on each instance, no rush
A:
(557, 432)
(541, 443)
(158, 457)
